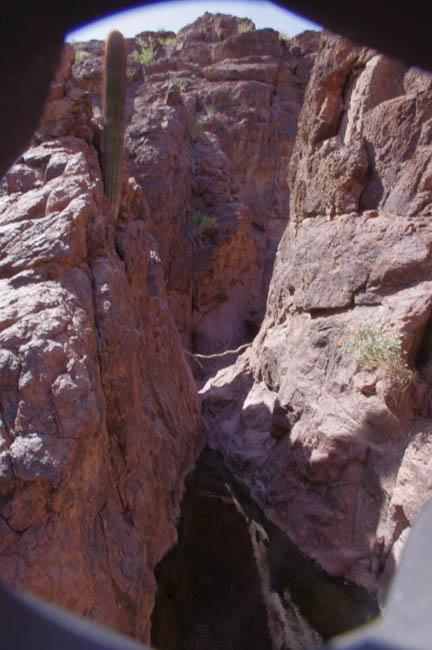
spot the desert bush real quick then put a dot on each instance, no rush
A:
(176, 82)
(244, 27)
(196, 127)
(201, 223)
(147, 53)
(379, 349)
(80, 56)
(210, 110)
(166, 41)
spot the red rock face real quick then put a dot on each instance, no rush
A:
(333, 453)
(100, 419)
(212, 126)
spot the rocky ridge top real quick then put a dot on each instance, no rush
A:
(213, 118)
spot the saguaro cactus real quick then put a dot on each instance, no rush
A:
(114, 105)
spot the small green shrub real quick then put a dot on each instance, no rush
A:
(178, 83)
(196, 127)
(379, 349)
(147, 54)
(201, 223)
(80, 56)
(245, 26)
(210, 110)
(166, 41)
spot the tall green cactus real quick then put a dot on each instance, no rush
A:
(114, 108)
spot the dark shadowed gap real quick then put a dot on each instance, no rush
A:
(235, 580)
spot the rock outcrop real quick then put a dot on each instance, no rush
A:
(100, 416)
(235, 579)
(213, 119)
(337, 454)
(100, 419)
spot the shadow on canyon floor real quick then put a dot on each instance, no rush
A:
(313, 493)
(236, 581)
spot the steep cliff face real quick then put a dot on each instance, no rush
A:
(100, 416)
(338, 455)
(213, 118)
(100, 419)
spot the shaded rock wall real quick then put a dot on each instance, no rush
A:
(212, 125)
(334, 453)
(99, 416)
(235, 580)
(100, 420)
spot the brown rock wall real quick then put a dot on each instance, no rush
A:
(212, 126)
(331, 450)
(100, 420)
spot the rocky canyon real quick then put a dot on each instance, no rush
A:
(194, 448)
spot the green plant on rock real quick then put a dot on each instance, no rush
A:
(196, 127)
(166, 41)
(176, 82)
(245, 26)
(147, 53)
(201, 223)
(379, 349)
(81, 55)
(210, 110)
(114, 108)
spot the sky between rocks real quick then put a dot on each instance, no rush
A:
(172, 16)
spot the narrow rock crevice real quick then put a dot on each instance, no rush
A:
(236, 581)
(423, 360)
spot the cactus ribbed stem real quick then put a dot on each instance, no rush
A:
(114, 107)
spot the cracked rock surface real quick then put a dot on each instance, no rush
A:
(99, 415)
(212, 125)
(333, 455)
(100, 420)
